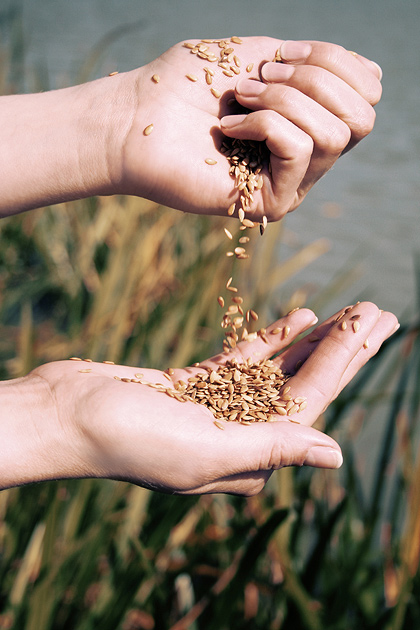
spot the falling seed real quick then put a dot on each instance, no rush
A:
(231, 209)
(148, 130)
(228, 234)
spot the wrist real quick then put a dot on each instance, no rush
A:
(34, 444)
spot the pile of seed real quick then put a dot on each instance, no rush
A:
(243, 392)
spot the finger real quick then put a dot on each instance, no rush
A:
(291, 151)
(330, 91)
(358, 72)
(247, 456)
(329, 133)
(331, 361)
(270, 340)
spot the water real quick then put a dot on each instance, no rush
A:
(375, 189)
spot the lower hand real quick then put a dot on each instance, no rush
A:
(104, 427)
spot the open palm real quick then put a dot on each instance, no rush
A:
(124, 430)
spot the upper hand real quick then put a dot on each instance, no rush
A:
(130, 431)
(308, 109)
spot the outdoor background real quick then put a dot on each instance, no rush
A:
(316, 549)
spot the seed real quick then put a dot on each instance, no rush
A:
(249, 67)
(85, 371)
(244, 239)
(286, 331)
(355, 317)
(228, 234)
(241, 215)
(254, 315)
(75, 359)
(148, 130)
(112, 74)
(156, 78)
(276, 331)
(109, 362)
(236, 40)
(239, 250)
(221, 301)
(228, 73)
(216, 93)
(366, 344)
(356, 326)
(210, 161)
(189, 45)
(248, 223)
(231, 209)
(343, 326)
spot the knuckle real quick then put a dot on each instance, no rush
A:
(363, 121)
(335, 138)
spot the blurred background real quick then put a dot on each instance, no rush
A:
(316, 549)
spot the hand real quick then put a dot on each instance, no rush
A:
(130, 431)
(308, 109)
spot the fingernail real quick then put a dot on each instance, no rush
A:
(232, 121)
(295, 52)
(277, 72)
(323, 457)
(249, 87)
(379, 69)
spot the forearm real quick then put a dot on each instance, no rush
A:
(61, 145)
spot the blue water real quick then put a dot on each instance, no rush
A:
(375, 189)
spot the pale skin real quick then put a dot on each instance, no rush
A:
(89, 139)
(58, 422)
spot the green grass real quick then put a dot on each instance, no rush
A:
(126, 280)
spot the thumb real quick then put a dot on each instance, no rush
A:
(274, 445)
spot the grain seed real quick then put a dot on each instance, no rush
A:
(156, 78)
(210, 161)
(148, 130)
(215, 93)
(356, 326)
